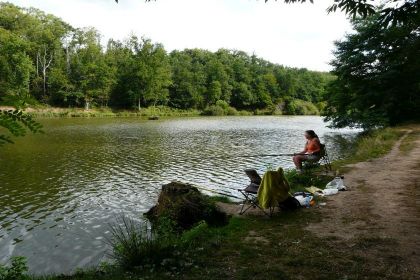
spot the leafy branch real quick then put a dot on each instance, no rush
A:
(17, 123)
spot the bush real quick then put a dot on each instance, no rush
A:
(214, 110)
(244, 113)
(232, 111)
(221, 108)
(222, 104)
(301, 107)
(15, 271)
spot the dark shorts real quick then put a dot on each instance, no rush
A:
(310, 157)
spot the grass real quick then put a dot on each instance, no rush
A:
(220, 198)
(370, 145)
(161, 111)
(134, 245)
(408, 143)
(258, 248)
(44, 111)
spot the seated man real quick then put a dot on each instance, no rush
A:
(311, 151)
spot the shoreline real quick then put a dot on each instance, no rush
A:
(159, 111)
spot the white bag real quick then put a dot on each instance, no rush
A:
(330, 191)
(337, 183)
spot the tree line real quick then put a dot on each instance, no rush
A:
(45, 60)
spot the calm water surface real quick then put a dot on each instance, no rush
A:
(60, 191)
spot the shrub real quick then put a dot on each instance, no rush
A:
(214, 110)
(244, 113)
(232, 111)
(222, 104)
(301, 107)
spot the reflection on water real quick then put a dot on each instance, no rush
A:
(59, 191)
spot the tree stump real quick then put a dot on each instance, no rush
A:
(185, 206)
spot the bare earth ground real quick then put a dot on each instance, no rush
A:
(381, 207)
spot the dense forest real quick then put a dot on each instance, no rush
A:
(44, 60)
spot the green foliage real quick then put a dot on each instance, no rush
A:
(214, 110)
(300, 181)
(377, 75)
(16, 123)
(134, 245)
(56, 64)
(221, 108)
(15, 271)
(15, 67)
(137, 247)
(301, 107)
(375, 143)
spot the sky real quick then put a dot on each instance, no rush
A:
(295, 35)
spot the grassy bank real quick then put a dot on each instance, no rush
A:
(278, 248)
(220, 109)
(369, 145)
(160, 111)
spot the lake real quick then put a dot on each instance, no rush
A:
(59, 191)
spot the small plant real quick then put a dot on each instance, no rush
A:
(300, 181)
(15, 271)
(135, 245)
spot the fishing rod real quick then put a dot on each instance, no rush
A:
(213, 191)
(262, 155)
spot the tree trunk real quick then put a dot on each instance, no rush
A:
(45, 64)
(44, 76)
(37, 63)
(67, 60)
(139, 107)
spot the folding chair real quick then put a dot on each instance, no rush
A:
(250, 193)
(322, 160)
(325, 159)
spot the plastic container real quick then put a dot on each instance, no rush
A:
(336, 183)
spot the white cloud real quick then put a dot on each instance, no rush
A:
(298, 35)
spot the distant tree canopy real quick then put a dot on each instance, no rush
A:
(45, 60)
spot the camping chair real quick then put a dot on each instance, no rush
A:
(322, 160)
(250, 193)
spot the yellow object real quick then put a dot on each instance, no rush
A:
(273, 189)
(313, 189)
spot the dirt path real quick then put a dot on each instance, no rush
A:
(382, 208)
